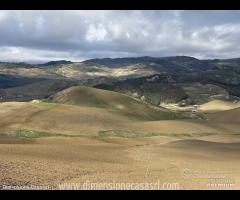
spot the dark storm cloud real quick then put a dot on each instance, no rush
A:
(39, 36)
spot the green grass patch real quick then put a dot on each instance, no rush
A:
(29, 134)
(48, 105)
(127, 134)
(132, 134)
(120, 133)
(172, 116)
(93, 103)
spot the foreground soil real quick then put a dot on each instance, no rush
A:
(207, 162)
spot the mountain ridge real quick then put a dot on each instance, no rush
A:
(172, 79)
(118, 58)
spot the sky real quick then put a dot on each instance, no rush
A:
(42, 36)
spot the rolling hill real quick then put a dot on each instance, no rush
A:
(217, 105)
(112, 101)
(227, 117)
(87, 134)
(87, 111)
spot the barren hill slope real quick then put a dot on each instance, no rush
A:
(229, 116)
(218, 105)
(112, 101)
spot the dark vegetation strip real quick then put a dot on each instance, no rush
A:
(131, 134)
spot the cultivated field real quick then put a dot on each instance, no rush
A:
(96, 136)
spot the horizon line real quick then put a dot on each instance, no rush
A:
(102, 58)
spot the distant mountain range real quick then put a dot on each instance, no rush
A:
(178, 79)
(58, 62)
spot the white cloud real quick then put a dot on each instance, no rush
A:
(45, 35)
(96, 33)
(2, 15)
(19, 54)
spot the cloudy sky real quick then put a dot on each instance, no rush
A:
(40, 36)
